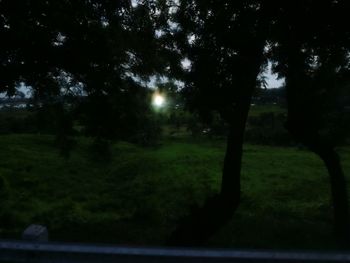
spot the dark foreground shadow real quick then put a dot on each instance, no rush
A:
(202, 223)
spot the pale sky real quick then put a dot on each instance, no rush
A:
(271, 79)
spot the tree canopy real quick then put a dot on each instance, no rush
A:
(96, 43)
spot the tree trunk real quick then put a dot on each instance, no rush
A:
(339, 194)
(203, 222)
(237, 117)
(231, 176)
(338, 183)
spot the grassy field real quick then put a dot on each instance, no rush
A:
(139, 196)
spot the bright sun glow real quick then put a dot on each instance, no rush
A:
(158, 100)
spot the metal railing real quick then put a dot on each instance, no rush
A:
(26, 251)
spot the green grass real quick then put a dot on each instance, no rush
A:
(139, 196)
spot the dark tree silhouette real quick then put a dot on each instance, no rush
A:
(225, 42)
(310, 49)
(309, 44)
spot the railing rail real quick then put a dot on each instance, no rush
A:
(22, 251)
